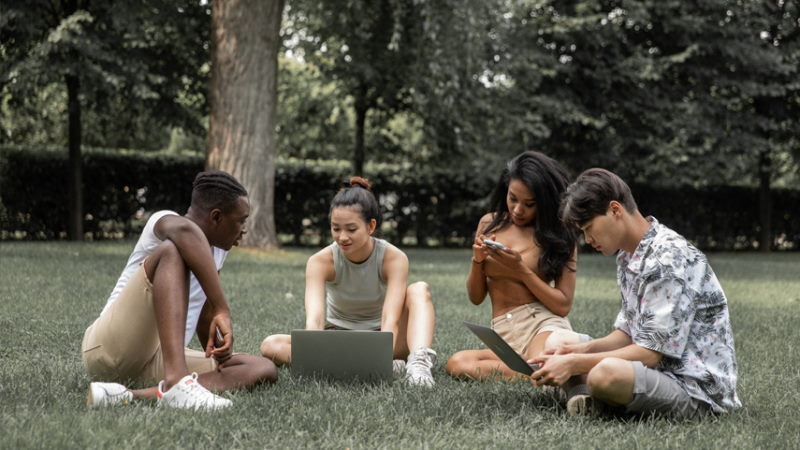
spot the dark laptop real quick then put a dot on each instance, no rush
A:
(501, 348)
(343, 355)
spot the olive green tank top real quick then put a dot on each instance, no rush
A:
(355, 297)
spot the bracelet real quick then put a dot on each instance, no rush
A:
(477, 262)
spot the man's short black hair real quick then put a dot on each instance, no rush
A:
(590, 195)
(216, 189)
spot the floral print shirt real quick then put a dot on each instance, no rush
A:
(672, 303)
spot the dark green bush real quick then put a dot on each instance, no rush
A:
(118, 189)
(434, 206)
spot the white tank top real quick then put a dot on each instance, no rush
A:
(148, 242)
(355, 297)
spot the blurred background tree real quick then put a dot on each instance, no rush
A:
(669, 93)
(125, 66)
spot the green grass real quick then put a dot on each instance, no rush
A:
(50, 292)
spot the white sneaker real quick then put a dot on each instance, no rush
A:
(418, 369)
(107, 394)
(398, 366)
(188, 393)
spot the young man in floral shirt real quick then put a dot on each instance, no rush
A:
(672, 350)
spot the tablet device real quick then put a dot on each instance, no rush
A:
(501, 348)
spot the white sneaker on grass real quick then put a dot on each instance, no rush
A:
(107, 394)
(188, 393)
(418, 369)
(398, 366)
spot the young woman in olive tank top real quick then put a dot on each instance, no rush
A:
(359, 282)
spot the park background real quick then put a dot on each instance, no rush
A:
(108, 110)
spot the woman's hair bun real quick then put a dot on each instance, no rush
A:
(360, 182)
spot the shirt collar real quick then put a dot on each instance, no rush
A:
(634, 262)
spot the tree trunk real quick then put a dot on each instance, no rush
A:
(361, 117)
(75, 228)
(764, 202)
(244, 95)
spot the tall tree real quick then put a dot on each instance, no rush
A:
(735, 91)
(244, 93)
(369, 46)
(142, 53)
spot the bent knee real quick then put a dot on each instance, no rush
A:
(418, 293)
(607, 374)
(277, 348)
(419, 289)
(459, 364)
(561, 337)
(165, 257)
(166, 249)
(270, 345)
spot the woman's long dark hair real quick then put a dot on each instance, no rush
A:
(547, 180)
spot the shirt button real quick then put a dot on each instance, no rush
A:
(508, 316)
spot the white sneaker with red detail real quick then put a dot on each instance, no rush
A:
(188, 393)
(107, 394)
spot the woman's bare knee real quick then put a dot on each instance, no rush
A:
(277, 348)
(561, 337)
(419, 293)
(459, 364)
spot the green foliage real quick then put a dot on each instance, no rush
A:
(368, 47)
(434, 206)
(118, 188)
(142, 66)
(315, 119)
(55, 290)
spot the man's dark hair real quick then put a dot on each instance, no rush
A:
(216, 189)
(590, 194)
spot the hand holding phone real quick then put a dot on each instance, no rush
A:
(220, 341)
(494, 244)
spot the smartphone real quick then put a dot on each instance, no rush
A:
(494, 244)
(220, 341)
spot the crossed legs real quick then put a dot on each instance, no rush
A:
(484, 364)
(414, 331)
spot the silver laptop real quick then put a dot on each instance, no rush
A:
(343, 355)
(501, 348)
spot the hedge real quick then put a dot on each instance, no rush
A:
(433, 206)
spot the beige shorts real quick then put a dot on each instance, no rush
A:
(122, 344)
(519, 326)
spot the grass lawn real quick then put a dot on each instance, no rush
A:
(50, 292)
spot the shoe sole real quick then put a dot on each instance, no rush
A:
(90, 397)
(581, 405)
(91, 394)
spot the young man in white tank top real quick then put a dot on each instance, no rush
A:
(168, 291)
